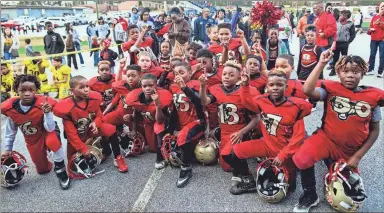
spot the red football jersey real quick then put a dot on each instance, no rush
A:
(127, 45)
(77, 117)
(231, 111)
(120, 89)
(154, 70)
(30, 122)
(263, 53)
(193, 62)
(295, 89)
(186, 110)
(103, 87)
(283, 125)
(233, 50)
(259, 83)
(347, 114)
(136, 99)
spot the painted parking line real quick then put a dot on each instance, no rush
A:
(147, 192)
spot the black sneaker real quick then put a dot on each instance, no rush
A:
(62, 175)
(235, 181)
(306, 201)
(185, 175)
(370, 72)
(248, 184)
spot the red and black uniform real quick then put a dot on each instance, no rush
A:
(190, 112)
(259, 82)
(214, 78)
(309, 57)
(120, 89)
(147, 109)
(282, 127)
(104, 88)
(76, 120)
(263, 53)
(233, 50)
(232, 114)
(37, 139)
(345, 127)
(155, 70)
(193, 62)
(147, 42)
(295, 89)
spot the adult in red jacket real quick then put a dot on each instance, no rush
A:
(325, 26)
(376, 30)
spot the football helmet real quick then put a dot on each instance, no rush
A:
(131, 145)
(272, 181)
(206, 151)
(344, 189)
(13, 169)
(170, 151)
(81, 167)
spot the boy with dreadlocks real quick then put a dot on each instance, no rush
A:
(82, 119)
(33, 115)
(351, 121)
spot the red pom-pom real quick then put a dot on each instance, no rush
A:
(265, 13)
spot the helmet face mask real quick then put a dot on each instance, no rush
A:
(344, 189)
(131, 145)
(272, 181)
(12, 169)
(170, 151)
(81, 167)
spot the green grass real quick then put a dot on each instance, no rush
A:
(40, 48)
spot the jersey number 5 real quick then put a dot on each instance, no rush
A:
(228, 114)
(27, 129)
(180, 104)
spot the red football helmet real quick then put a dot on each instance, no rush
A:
(13, 169)
(170, 151)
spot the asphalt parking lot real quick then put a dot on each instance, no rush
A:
(145, 189)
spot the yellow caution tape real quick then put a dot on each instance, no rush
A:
(54, 55)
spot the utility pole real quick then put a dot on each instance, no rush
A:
(97, 9)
